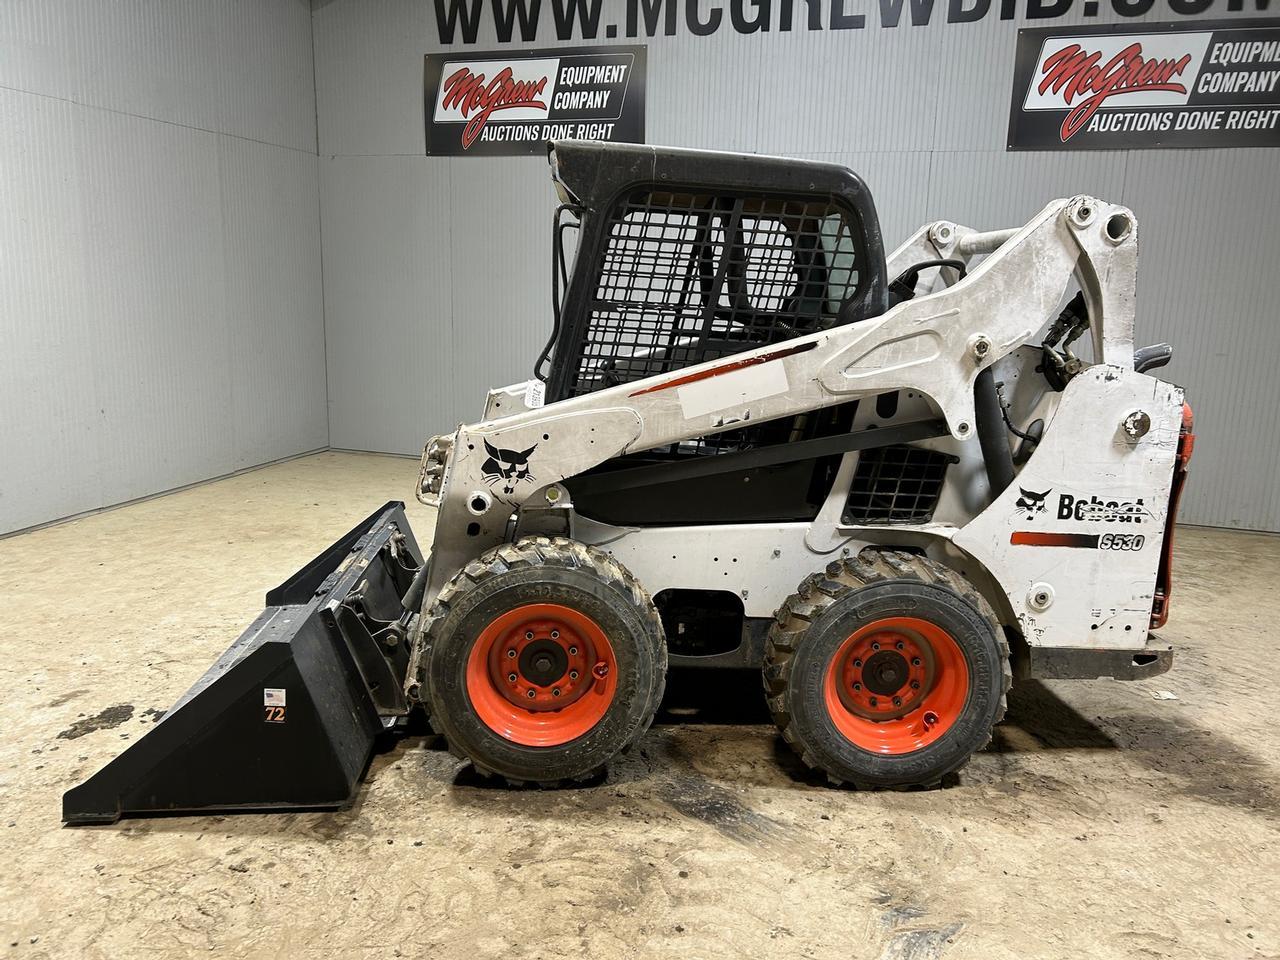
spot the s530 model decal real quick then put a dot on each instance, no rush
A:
(1121, 541)
(1090, 541)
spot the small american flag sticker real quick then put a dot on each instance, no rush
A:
(273, 701)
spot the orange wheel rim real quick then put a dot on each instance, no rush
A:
(541, 675)
(896, 685)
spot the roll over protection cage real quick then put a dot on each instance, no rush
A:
(592, 178)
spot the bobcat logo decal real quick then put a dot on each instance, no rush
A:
(507, 467)
(1031, 501)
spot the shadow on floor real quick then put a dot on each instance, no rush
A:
(1054, 724)
(701, 696)
(1200, 763)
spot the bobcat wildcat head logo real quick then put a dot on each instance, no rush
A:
(1031, 501)
(507, 467)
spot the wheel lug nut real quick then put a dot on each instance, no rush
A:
(857, 686)
(528, 634)
(897, 701)
(555, 634)
(873, 701)
(875, 646)
(511, 678)
(857, 663)
(915, 684)
(573, 674)
(573, 651)
(511, 654)
(900, 645)
(915, 661)
(530, 694)
(555, 691)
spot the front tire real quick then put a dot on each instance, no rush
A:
(542, 659)
(886, 670)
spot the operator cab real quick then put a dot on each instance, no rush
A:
(687, 256)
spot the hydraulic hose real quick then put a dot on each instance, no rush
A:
(991, 433)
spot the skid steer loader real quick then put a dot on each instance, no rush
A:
(752, 441)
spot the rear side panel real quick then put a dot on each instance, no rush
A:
(1077, 537)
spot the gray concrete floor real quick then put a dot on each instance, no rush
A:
(1101, 822)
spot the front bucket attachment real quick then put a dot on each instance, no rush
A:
(287, 717)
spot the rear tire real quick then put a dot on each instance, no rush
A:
(542, 659)
(886, 670)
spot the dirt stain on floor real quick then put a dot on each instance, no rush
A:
(111, 717)
(924, 944)
(66, 697)
(717, 807)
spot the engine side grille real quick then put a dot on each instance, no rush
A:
(896, 484)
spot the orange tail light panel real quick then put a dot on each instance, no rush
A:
(1164, 576)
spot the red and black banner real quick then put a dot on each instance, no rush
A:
(488, 104)
(1126, 87)
(1039, 538)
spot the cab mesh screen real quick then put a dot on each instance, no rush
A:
(683, 278)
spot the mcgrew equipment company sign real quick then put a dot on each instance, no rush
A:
(511, 103)
(1124, 87)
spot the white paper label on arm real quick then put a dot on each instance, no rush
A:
(732, 389)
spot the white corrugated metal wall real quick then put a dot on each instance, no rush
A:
(161, 276)
(161, 313)
(437, 270)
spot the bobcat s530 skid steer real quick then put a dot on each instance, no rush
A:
(891, 485)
